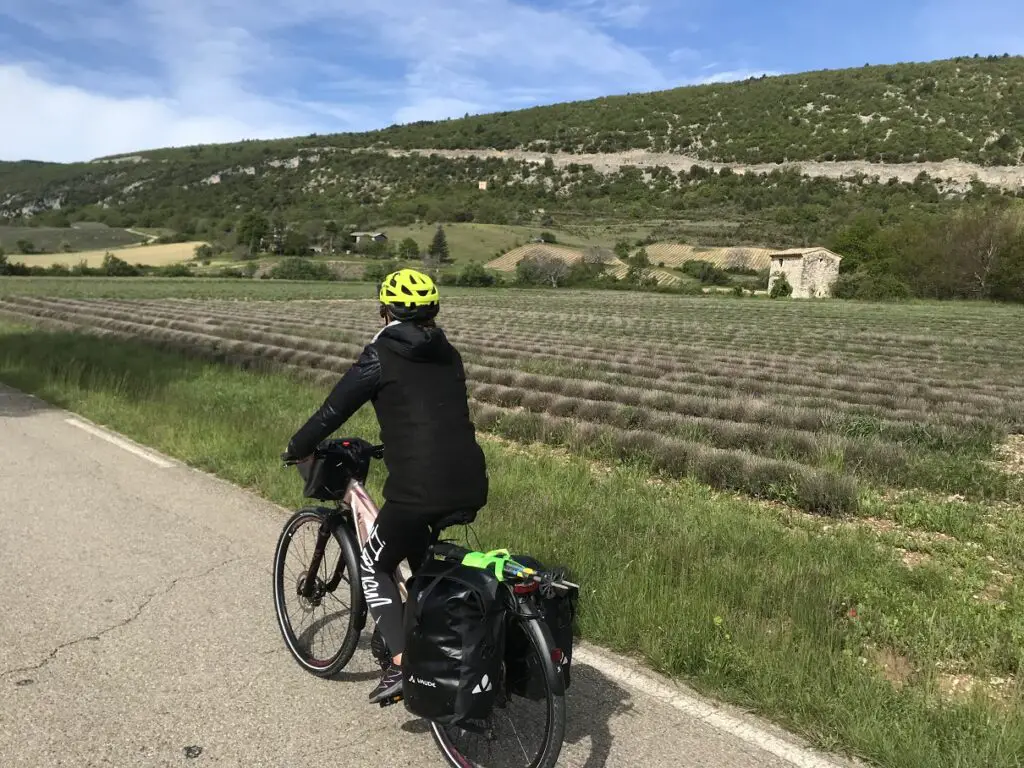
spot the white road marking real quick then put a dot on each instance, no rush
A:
(699, 710)
(119, 442)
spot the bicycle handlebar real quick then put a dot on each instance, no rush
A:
(376, 451)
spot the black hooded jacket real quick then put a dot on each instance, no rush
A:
(416, 381)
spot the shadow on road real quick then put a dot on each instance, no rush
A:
(593, 701)
(14, 404)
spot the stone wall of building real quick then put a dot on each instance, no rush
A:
(812, 274)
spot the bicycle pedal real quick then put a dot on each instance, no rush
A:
(393, 700)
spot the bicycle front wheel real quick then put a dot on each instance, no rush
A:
(527, 725)
(318, 606)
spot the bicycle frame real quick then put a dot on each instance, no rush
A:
(364, 516)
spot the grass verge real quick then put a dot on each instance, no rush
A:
(820, 626)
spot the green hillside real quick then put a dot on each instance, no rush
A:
(863, 126)
(966, 108)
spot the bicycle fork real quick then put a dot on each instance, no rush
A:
(309, 583)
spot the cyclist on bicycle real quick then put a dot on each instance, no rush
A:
(415, 379)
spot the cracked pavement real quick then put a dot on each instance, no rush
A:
(139, 630)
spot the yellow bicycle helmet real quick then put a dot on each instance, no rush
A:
(409, 295)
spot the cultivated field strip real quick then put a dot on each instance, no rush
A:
(593, 365)
(738, 394)
(693, 365)
(746, 378)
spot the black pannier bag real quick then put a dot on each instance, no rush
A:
(336, 462)
(558, 611)
(454, 642)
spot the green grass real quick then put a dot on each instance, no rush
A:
(747, 601)
(50, 239)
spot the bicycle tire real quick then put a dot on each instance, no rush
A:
(357, 608)
(554, 736)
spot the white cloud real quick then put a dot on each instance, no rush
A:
(196, 71)
(66, 123)
(611, 13)
(684, 54)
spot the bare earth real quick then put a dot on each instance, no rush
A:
(955, 171)
(139, 630)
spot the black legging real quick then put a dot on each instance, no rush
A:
(399, 533)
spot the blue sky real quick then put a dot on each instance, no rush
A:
(83, 78)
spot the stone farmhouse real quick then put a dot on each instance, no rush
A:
(811, 271)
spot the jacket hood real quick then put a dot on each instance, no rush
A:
(414, 341)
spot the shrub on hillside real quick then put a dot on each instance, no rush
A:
(174, 270)
(203, 252)
(474, 275)
(869, 287)
(706, 272)
(115, 267)
(300, 269)
(374, 273)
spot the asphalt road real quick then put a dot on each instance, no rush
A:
(138, 628)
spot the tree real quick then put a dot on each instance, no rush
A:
(542, 270)
(438, 250)
(252, 230)
(25, 246)
(637, 266)
(295, 243)
(474, 275)
(203, 252)
(115, 267)
(409, 249)
(595, 254)
(377, 271)
(278, 232)
(331, 233)
(548, 237)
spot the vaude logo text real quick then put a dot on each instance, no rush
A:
(421, 681)
(483, 686)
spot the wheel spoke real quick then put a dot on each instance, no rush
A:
(317, 630)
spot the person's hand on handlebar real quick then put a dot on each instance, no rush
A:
(289, 460)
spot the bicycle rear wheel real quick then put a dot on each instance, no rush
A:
(321, 629)
(526, 729)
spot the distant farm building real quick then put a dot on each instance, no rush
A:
(482, 185)
(811, 271)
(362, 237)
